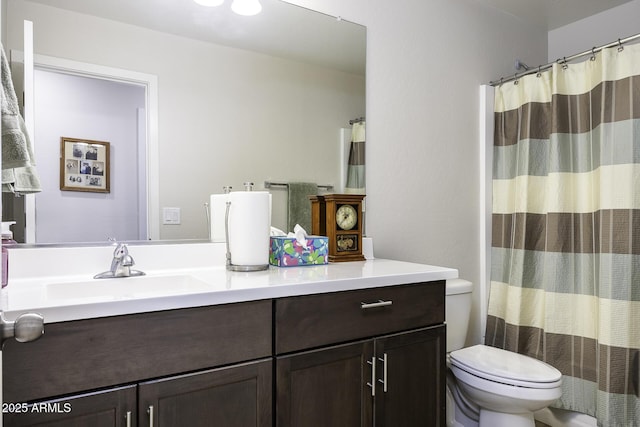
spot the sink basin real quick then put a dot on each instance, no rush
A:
(125, 288)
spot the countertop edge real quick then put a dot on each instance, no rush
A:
(403, 273)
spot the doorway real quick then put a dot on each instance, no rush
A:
(86, 101)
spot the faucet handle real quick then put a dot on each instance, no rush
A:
(120, 264)
(121, 251)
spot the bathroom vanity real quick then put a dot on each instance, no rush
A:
(359, 343)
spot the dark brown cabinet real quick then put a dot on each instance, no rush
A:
(239, 396)
(388, 371)
(111, 408)
(150, 352)
(413, 364)
(325, 387)
(235, 396)
(369, 357)
(90, 354)
(395, 380)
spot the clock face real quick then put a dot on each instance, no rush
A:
(346, 217)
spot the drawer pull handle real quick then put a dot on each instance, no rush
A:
(380, 303)
(128, 418)
(150, 412)
(372, 384)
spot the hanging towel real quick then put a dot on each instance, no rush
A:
(299, 205)
(18, 166)
(356, 167)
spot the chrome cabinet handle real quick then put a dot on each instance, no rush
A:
(372, 384)
(150, 412)
(380, 303)
(26, 328)
(128, 418)
(384, 382)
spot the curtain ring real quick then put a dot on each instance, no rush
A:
(538, 74)
(564, 63)
(593, 54)
(620, 47)
(501, 79)
(515, 79)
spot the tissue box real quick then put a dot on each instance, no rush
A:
(287, 252)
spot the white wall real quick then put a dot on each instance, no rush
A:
(79, 107)
(226, 116)
(596, 30)
(425, 63)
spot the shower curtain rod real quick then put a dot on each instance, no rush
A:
(358, 120)
(564, 60)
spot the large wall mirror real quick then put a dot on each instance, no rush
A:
(261, 98)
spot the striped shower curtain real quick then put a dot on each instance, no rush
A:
(356, 166)
(565, 274)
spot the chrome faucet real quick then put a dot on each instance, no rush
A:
(120, 265)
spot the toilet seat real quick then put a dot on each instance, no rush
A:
(506, 367)
(504, 398)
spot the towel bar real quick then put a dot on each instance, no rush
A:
(269, 184)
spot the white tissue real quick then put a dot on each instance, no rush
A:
(298, 233)
(301, 235)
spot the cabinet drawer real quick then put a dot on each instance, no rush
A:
(95, 353)
(311, 321)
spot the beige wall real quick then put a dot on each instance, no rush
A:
(226, 115)
(425, 62)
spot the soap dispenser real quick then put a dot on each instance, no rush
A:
(7, 238)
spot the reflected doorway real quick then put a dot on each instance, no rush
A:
(85, 107)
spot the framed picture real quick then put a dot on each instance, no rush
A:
(84, 165)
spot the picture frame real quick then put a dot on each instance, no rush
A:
(84, 165)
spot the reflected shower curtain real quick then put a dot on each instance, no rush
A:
(565, 275)
(356, 166)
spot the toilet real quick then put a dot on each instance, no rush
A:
(487, 386)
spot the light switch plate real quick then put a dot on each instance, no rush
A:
(171, 216)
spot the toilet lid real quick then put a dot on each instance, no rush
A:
(505, 366)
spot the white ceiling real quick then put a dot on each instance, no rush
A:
(282, 29)
(290, 31)
(552, 14)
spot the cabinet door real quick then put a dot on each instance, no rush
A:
(235, 396)
(110, 408)
(415, 378)
(326, 387)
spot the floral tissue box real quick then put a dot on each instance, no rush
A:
(287, 252)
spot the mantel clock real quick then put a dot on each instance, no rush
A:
(339, 217)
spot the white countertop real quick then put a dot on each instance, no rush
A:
(63, 297)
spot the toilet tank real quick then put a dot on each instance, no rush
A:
(458, 311)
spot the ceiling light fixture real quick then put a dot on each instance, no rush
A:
(246, 7)
(209, 3)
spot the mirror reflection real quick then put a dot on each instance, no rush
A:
(261, 98)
